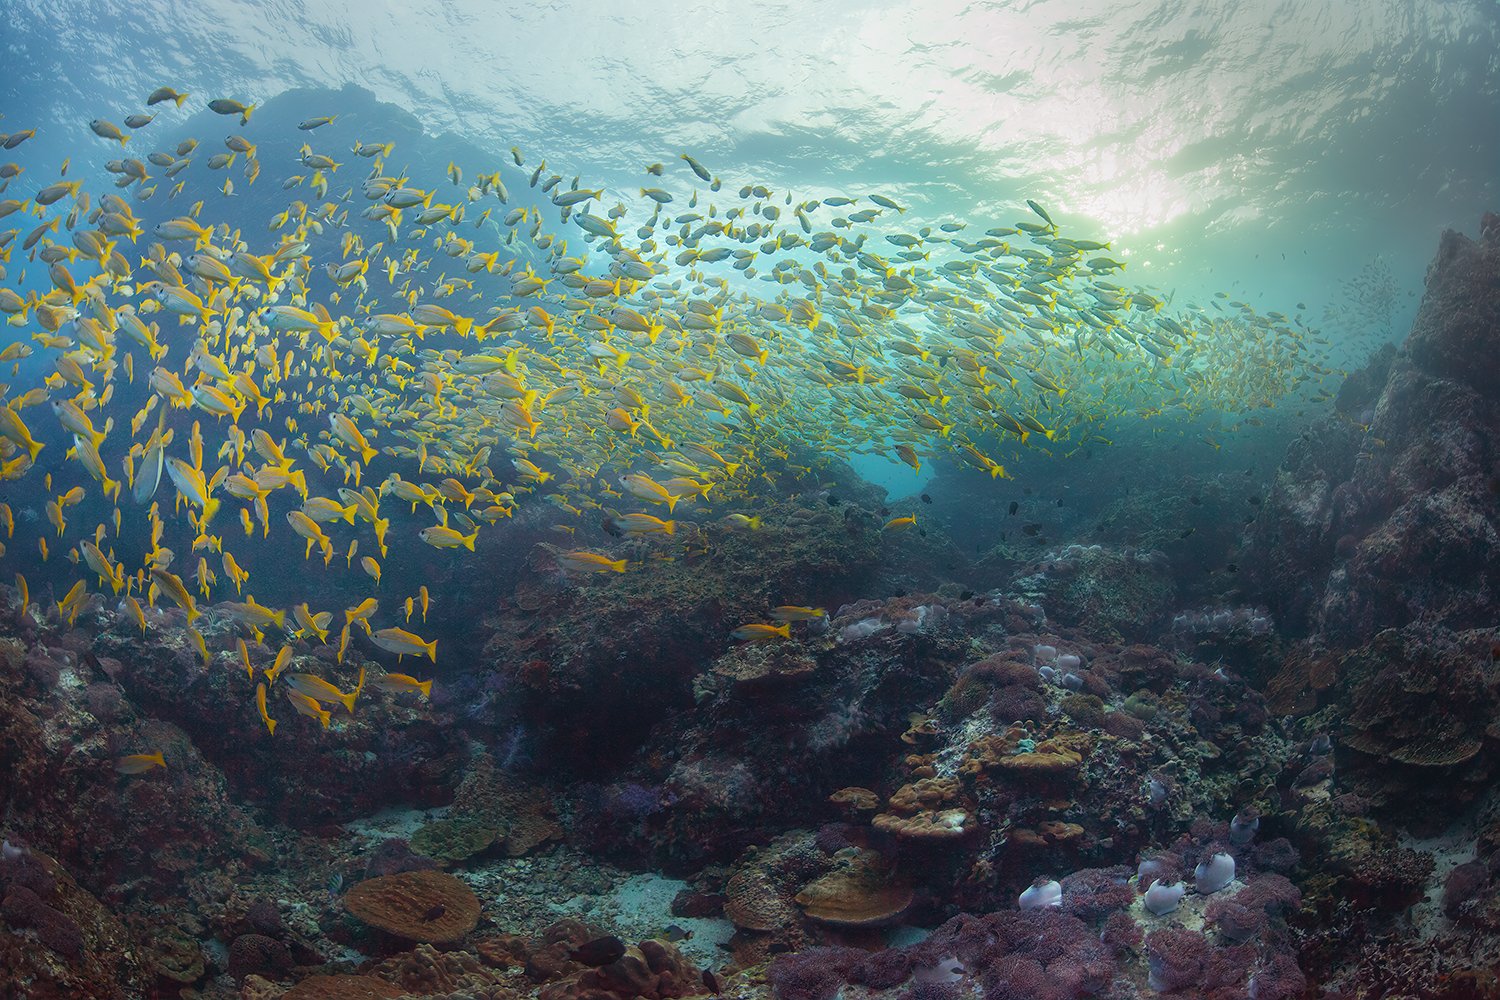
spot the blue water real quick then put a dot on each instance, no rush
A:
(1269, 149)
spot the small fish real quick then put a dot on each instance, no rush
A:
(793, 613)
(166, 94)
(758, 632)
(590, 562)
(404, 643)
(397, 683)
(228, 106)
(140, 763)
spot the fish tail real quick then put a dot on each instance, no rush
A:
(464, 325)
(671, 502)
(210, 508)
(34, 448)
(670, 527)
(245, 117)
(180, 98)
(468, 540)
(426, 688)
(618, 565)
(431, 648)
(271, 725)
(368, 453)
(348, 700)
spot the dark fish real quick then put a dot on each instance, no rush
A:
(966, 595)
(926, 498)
(612, 528)
(674, 933)
(600, 951)
(1032, 528)
(922, 532)
(1232, 568)
(1059, 501)
(834, 501)
(1186, 532)
(435, 913)
(1013, 508)
(711, 982)
(1255, 501)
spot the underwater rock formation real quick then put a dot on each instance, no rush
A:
(593, 665)
(1389, 510)
(1380, 542)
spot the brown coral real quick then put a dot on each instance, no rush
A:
(1049, 833)
(653, 970)
(754, 903)
(343, 988)
(926, 793)
(855, 801)
(1414, 701)
(425, 970)
(423, 906)
(1058, 757)
(864, 893)
(929, 824)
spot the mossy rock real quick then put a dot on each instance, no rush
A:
(453, 840)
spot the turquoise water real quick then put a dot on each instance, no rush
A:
(1270, 149)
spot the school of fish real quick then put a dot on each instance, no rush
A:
(422, 356)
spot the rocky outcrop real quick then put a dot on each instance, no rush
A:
(1388, 512)
(1380, 545)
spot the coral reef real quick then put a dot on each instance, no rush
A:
(578, 655)
(1102, 774)
(424, 906)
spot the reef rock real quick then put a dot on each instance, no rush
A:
(1388, 511)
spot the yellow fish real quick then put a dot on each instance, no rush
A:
(404, 643)
(140, 763)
